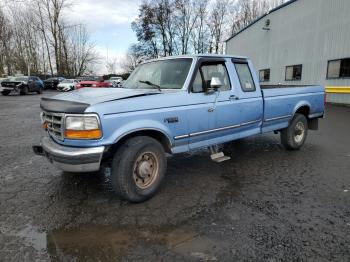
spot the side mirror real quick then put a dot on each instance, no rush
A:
(215, 84)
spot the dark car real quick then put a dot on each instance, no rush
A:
(22, 84)
(53, 82)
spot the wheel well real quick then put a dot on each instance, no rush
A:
(304, 110)
(157, 135)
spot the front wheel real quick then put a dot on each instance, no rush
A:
(5, 92)
(138, 168)
(293, 137)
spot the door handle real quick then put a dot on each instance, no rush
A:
(233, 97)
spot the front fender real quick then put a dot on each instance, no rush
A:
(140, 125)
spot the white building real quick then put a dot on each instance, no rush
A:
(302, 42)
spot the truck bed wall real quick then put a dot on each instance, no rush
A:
(280, 104)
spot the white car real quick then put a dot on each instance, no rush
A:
(116, 79)
(67, 85)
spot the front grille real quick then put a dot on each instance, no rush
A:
(54, 123)
(9, 84)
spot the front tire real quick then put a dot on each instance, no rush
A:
(293, 137)
(138, 168)
(5, 92)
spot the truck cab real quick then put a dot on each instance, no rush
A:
(171, 105)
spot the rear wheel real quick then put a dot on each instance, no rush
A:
(138, 168)
(294, 136)
(5, 92)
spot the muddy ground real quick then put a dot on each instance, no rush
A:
(265, 204)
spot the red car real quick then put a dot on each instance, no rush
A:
(96, 83)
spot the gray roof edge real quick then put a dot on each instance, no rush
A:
(261, 17)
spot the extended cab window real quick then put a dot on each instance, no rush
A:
(206, 72)
(245, 77)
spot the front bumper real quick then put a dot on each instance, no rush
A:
(70, 159)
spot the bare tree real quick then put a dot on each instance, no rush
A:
(133, 58)
(112, 65)
(216, 24)
(5, 37)
(186, 17)
(200, 32)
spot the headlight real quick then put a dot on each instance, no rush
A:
(94, 85)
(82, 127)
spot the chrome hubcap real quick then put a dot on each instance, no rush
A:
(299, 132)
(145, 170)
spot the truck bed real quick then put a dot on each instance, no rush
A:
(281, 103)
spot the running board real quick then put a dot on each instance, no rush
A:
(217, 156)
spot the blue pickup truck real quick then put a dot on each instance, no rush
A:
(169, 106)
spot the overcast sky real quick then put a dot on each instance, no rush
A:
(109, 24)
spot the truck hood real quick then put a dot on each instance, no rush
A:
(77, 101)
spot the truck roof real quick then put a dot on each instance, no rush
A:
(196, 56)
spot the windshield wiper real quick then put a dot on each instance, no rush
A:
(150, 84)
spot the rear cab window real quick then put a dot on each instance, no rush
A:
(245, 76)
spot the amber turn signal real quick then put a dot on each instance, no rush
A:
(83, 134)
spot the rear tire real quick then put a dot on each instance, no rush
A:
(138, 168)
(293, 137)
(5, 92)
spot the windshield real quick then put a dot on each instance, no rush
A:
(163, 74)
(22, 78)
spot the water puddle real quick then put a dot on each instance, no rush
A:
(108, 243)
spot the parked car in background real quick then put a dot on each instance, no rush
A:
(53, 82)
(171, 105)
(113, 83)
(96, 83)
(116, 79)
(22, 84)
(2, 79)
(87, 78)
(67, 85)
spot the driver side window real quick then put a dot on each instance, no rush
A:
(205, 74)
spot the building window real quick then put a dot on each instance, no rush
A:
(338, 68)
(264, 75)
(294, 72)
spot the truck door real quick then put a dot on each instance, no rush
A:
(227, 107)
(201, 117)
(249, 97)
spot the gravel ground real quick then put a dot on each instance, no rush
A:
(265, 204)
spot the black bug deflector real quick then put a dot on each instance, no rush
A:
(62, 106)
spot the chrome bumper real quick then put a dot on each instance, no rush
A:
(70, 159)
